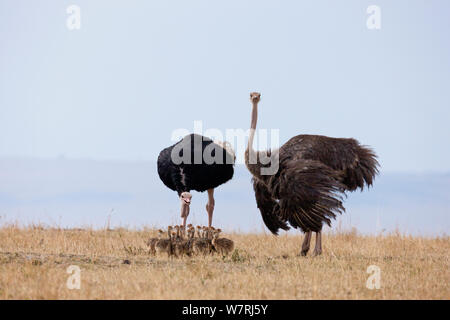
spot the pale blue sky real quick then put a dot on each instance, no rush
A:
(139, 69)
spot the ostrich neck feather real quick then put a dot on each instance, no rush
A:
(251, 156)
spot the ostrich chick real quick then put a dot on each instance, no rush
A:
(169, 231)
(189, 243)
(222, 245)
(178, 244)
(152, 241)
(201, 245)
(164, 246)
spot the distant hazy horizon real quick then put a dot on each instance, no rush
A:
(78, 193)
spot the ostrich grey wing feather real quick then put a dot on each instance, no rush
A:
(356, 164)
(308, 191)
(364, 169)
(268, 207)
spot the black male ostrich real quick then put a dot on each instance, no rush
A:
(196, 163)
(305, 189)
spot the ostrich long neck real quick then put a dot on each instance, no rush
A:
(250, 153)
(253, 127)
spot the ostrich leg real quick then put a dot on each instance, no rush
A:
(306, 243)
(210, 206)
(183, 218)
(318, 247)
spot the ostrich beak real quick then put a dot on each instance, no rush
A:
(186, 201)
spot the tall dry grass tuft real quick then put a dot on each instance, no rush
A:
(115, 264)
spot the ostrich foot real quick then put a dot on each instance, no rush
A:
(317, 252)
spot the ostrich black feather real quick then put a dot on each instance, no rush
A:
(204, 164)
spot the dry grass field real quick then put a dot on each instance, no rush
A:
(115, 264)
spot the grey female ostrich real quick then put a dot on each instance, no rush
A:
(196, 163)
(313, 174)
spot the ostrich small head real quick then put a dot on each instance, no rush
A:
(186, 198)
(210, 232)
(255, 97)
(191, 233)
